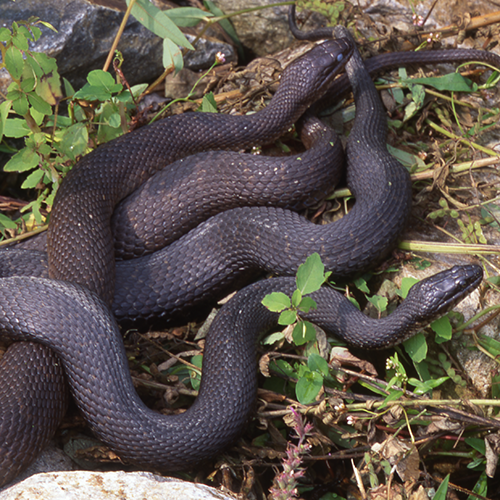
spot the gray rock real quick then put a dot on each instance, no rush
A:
(85, 33)
(108, 486)
(264, 31)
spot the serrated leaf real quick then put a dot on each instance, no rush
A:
(20, 41)
(172, 55)
(310, 274)
(39, 104)
(308, 387)
(187, 16)
(276, 301)
(75, 140)
(5, 34)
(4, 113)
(158, 22)
(303, 332)
(16, 128)
(14, 62)
(33, 179)
(287, 317)
(23, 160)
(49, 82)
(19, 102)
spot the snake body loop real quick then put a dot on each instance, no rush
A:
(94, 186)
(78, 326)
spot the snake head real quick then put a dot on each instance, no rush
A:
(309, 77)
(439, 293)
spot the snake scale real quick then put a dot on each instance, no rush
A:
(275, 225)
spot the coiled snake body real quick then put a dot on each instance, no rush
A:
(157, 441)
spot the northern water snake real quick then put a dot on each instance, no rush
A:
(266, 216)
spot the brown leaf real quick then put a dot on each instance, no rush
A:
(492, 443)
(340, 356)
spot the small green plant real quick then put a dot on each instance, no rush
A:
(310, 276)
(56, 136)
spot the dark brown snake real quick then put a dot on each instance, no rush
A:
(175, 279)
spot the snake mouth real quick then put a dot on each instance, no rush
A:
(439, 293)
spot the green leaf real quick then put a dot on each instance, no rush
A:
(490, 344)
(303, 332)
(5, 34)
(453, 82)
(406, 284)
(100, 78)
(91, 93)
(379, 302)
(19, 101)
(6, 223)
(316, 363)
(208, 104)
(416, 347)
(393, 396)
(276, 301)
(296, 298)
(187, 16)
(20, 41)
(480, 488)
(225, 24)
(442, 327)
(33, 179)
(23, 160)
(172, 56)
(49, 82)
(4, 113)
(16, 128)
(361, 285)
(274, 337)
(287, 318)
(428, 385)
(442, 490)
(39, 104)
(308, 387)
(407, 159)
(14, 62)
(195, 376)
(306, 304)
(158, 22)
(477, 444)
(75, 140)
(310, 275)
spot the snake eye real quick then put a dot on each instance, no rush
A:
(340, 57)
